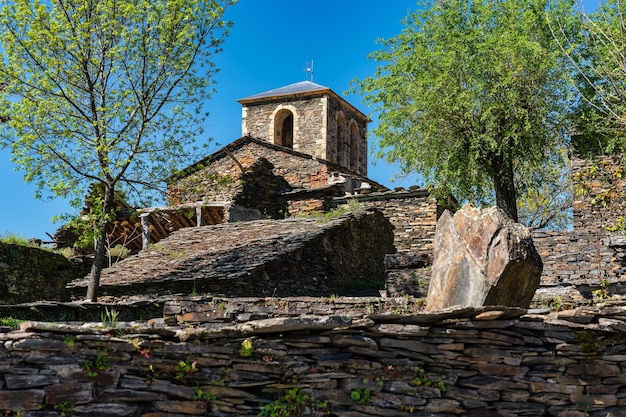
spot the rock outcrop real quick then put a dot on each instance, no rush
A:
(482, 257)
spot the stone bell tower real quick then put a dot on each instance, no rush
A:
(311, 119)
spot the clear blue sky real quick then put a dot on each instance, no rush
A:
(268, 47)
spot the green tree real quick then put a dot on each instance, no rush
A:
(472, 95)
(598, 53)
(105, 92)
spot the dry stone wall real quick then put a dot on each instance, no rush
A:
(584, 263)
(30, 274)
(413, 213)
(299, 256)
(346, 357)
(577, 263)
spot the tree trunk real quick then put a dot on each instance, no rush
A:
(100, 255)
(504, 186)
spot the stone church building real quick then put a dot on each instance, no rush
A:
(299, 143)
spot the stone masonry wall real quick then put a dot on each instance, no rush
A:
(413, 213)
(299, 256)
(345, 358)
(308, 115)
(576, 263)
(315, 125)
(580, 264)
(599, 195)
(334, 107)
(219, 180)
(30, 274)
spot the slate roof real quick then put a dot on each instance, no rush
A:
(296, 88)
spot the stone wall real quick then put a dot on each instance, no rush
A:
(220, 178)
(581, 263)
(308, 115)
(599, 195)
(228, 357)
(577, 263)
(413, 213)
(299, 256)
(315, 126)
(31, 274)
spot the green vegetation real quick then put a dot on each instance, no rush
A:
(474, 97)
(422, 379)
(69, 340)
(10, 322)
(106, 95)
(295, 403)
(247, 348)
(15, 239)
(362, 396)
(65, 409)
(99, 364)
(185, 368)
(109, 317)
(203, 395)
(597, 52)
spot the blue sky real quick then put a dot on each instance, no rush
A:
(268, 47)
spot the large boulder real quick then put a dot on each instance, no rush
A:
(482, 257)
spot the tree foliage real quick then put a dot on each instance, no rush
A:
(105, 92)
(472, 95)
(598, 53)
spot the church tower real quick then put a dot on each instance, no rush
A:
(311, 119)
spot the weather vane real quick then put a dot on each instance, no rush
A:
(309, 69)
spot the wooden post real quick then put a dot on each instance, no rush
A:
(145, 230)
(199, 219)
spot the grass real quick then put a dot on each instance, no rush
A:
(10, 322)
(15, 239)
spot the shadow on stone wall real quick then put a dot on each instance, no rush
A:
(30, 274)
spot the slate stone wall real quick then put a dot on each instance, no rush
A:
(582, 263)
(577, 263)
(30, 274)
(221, 179)
(599, 192)
(345, 357)
(299, 256)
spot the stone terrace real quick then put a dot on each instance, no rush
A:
(259, 258)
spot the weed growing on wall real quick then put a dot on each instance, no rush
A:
(65, 409)
(99, 364)
(203, 395)
(10, 322)
(295, 403)
(247, 348)
(185, 368)
(362, 396)
(109, 318)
